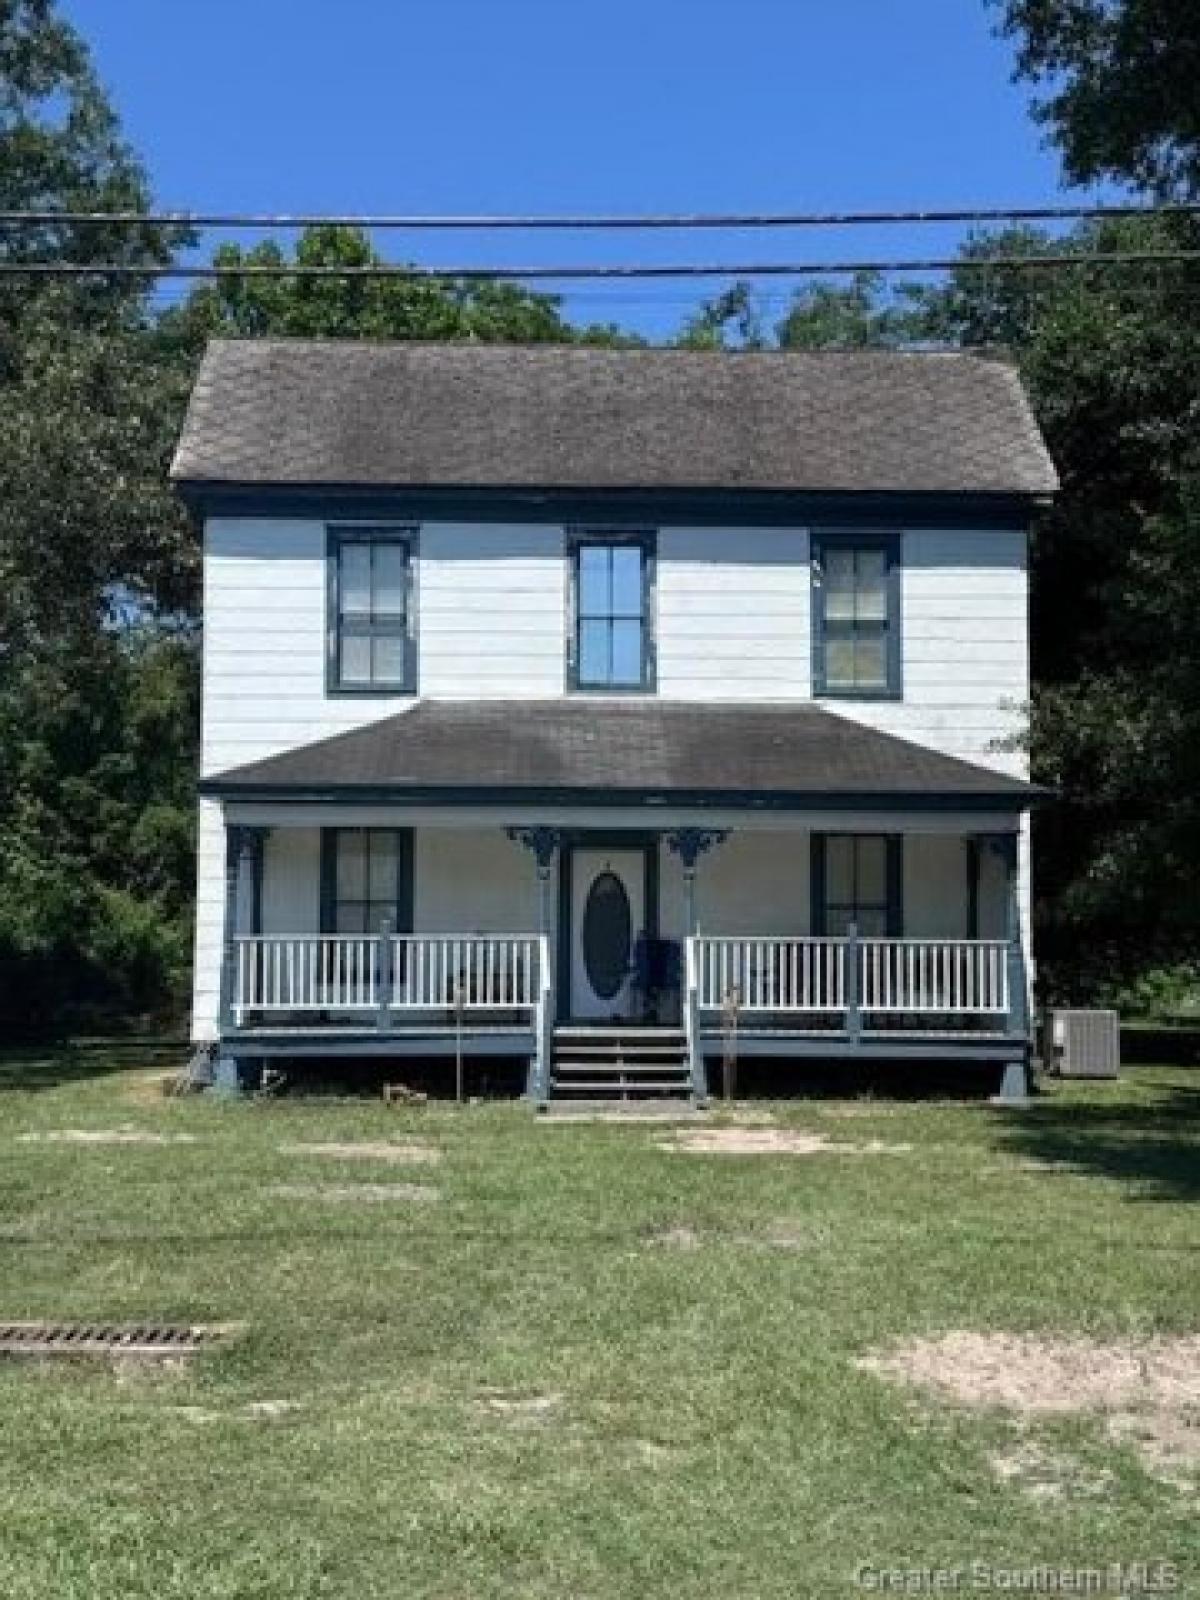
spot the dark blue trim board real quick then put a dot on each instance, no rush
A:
(1014, 800)
(714, 507)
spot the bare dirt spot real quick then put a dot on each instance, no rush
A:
(1029, 1375)
(348, 1193)
(255, 1411)
(1168, 1444)
(681, 1238)
(653, 1453)
(519, 1408)
(774, 1142)
(367, 1150)
(1045, 1474)
(125, 1134)
(1147, 1391)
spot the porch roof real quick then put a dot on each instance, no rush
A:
(623, 752)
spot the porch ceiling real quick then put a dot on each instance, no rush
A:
(578, 752)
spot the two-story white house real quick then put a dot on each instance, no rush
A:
(582, 705)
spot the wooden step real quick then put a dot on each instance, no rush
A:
(607, 1034)
(634, 1069)
(607, 1086)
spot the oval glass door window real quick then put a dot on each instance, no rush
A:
(607, 935)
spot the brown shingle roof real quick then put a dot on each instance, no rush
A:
(623, 751)
(414, 415)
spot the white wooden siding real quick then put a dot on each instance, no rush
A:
(935, 888)
(733, 614)
(732, 623)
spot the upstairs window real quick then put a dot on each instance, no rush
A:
(856, 615)
(371, 634)
(611, 644)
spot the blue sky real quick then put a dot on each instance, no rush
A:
(578, 105)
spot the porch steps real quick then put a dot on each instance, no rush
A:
(611, 1063)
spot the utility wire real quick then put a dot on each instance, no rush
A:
(581, 222)
(518, 272)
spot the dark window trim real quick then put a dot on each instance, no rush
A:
(891, 542)
(645, 539)
(336, 535)
(818, 878)
(404, 874)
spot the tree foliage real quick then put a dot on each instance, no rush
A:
(1119, 81)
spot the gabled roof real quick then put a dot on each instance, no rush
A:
(410, 415)
(623, 752)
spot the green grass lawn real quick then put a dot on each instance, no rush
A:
(587, 1366)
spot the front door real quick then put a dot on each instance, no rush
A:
(608, 912)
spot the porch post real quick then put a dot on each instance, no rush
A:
(689, 844)
(1014, 1085)
(243, 902)
(853, 996)
(543, 842)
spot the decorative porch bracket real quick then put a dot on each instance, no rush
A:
(543, 842)
(243, 892)
(689, 844)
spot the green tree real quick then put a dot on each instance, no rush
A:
(392, 307)
(1120, 86)
(1111, 357)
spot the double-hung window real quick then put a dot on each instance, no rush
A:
(856, 614)
(856, 879)
(612, 646)
(366, 879)
(371, 623)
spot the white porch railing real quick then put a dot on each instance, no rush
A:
(306, 973)
(496, 972)
(943, 976)
(770, 974)
(885, 977)
(280, 974)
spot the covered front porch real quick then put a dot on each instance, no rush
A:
(615, 892)
(365, 934)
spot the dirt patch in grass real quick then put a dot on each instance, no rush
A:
(774, 1142)
(349, 1193)
(682, 1238)
(1147, 1391)
(1042, 1473)
(1028, 1374)
(126, 1134)
(519, 1408)
(1168, 1443)
(254, 1411)
(366, 1150)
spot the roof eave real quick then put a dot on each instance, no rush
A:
(1015, 796)
(557, 502)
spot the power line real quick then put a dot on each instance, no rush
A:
(586, 222)
(519, 272)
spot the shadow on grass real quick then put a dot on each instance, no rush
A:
(52, 1066)
(1148, 1138)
